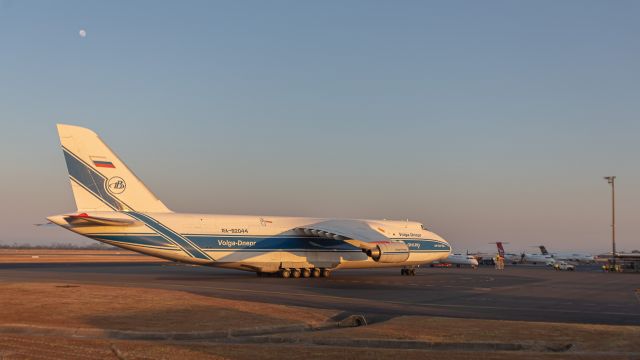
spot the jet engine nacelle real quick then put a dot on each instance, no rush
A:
(393, 252)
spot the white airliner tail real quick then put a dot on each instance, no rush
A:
(99, 179)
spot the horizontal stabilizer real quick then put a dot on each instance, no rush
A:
(84, 218)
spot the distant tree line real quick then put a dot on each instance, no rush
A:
(60, 246)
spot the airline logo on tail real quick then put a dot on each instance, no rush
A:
(116, 185)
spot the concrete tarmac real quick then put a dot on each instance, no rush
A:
(525, 293)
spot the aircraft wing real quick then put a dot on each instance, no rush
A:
(86, 219)
(355, 232)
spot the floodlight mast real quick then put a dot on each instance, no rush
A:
(612, 181)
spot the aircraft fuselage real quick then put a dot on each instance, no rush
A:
(254, 243)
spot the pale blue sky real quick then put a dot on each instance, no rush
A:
(486, 120)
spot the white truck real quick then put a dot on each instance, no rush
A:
(563, 265)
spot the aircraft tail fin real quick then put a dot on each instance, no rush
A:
(500, 248)
(543, 250)
(99, 179)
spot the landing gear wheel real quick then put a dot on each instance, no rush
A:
(285, 273)
(403, 272)
(411, 272)
(295, 273)
(306, 273)
(325, 273)
(315, 273)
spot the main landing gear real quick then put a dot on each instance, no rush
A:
(408, 272)
(298, 273)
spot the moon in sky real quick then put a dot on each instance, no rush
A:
(82, 33)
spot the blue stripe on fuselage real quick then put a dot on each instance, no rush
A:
(426, 245)
(182, 242)
(262, 243)
(266, 243)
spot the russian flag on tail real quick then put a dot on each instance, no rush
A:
(102, 162)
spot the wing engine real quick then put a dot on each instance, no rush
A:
(390, 252)
(360, 234)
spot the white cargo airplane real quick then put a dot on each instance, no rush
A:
(116, 208)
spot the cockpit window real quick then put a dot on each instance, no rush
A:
(424, 227)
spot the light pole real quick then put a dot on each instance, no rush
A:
(612, 180)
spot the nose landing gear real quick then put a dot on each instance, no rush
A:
(408, 271)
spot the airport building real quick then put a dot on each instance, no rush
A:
(629, 263)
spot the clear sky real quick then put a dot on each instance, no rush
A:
(486, 120)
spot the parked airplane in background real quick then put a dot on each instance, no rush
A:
(460, 259)
(116, 208)
(569, 256)
(509, 258)
(524, 257)
(538, 259)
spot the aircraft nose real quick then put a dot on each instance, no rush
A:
(445, 244)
